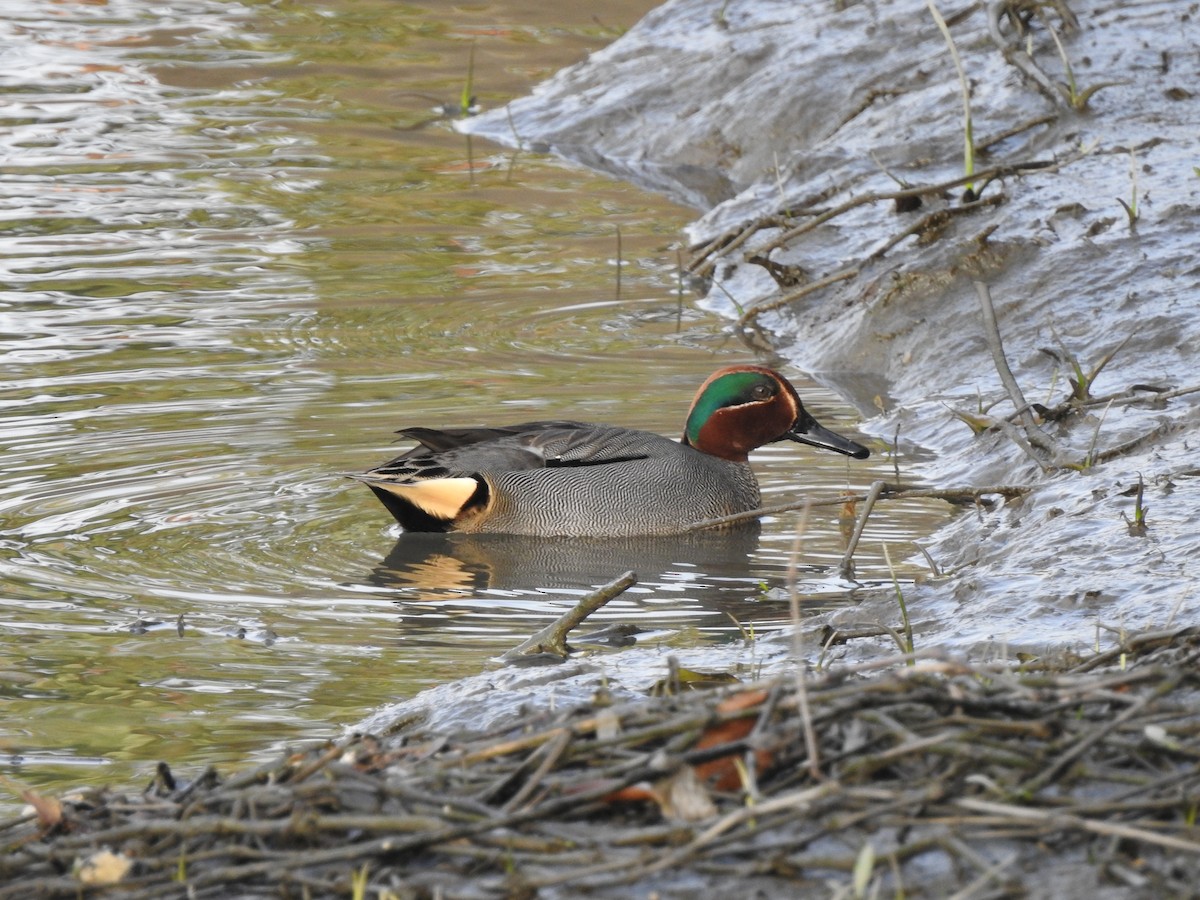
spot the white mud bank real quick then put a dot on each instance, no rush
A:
(791, 132)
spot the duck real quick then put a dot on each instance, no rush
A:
(562, 478)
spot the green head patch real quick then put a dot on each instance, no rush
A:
(731, 389)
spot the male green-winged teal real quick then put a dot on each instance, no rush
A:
(576, 479)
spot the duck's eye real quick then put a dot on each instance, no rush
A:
(761, 391)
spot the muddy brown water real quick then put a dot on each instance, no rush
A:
(241, 247)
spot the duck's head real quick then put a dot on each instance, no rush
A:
(740, 408)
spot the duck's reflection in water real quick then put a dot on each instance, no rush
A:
(443, 566)
(511, 584)
(463, 593)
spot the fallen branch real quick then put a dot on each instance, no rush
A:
(812, 287)
(1064, 821)
(1014, 55)
(991, 331)
(552, 639)
(702, 263)
(846, 567)
(953, 496)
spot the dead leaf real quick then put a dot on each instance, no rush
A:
(48, 809)
(103, 867)
(680, 680)
(681, 796)
(608, 725)
(722, 772)
(684, 798)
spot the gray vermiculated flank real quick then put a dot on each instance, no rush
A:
(562, 478)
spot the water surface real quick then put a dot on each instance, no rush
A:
(241, 246)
